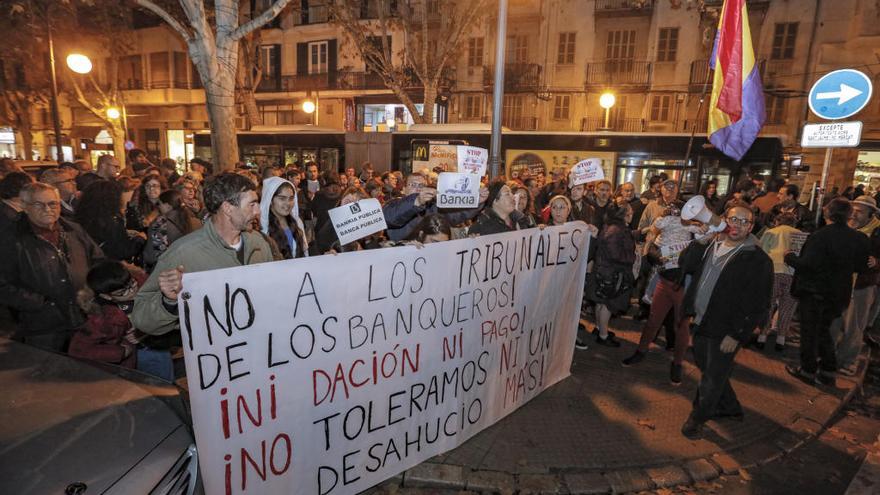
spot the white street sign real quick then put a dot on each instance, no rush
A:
(832, 135)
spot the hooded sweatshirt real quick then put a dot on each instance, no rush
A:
(270, 186)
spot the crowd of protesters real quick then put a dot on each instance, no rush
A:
(94, 258)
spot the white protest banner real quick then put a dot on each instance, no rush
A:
(584, 171)
(797, 240)
(444, 156)
(357, 220)
(329, 374)
(472, 160)
(671, 252)
(458, 190)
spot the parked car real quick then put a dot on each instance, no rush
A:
(74, 427)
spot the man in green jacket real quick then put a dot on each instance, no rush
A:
(225, 241)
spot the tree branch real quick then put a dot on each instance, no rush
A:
(159, 11)
(260, 20)
(81, 98)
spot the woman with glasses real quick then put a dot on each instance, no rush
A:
(144, 207)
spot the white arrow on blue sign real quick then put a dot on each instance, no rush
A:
(840, 94)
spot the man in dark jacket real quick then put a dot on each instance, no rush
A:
(404, 214)
(823, 285)
(45, 262)
(11, 204)
(728, 296)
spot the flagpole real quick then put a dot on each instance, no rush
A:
(687, 155)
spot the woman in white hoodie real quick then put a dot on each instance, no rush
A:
(279, 218)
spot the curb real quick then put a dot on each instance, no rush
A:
(787, 439)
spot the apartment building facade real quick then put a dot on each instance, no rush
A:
(561, 55)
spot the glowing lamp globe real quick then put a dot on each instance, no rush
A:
(308, 106)
(607, 100)
(113, 113)
(79, 63)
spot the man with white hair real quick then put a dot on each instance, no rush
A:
(848, 330)
(64, 179)
(45, 262)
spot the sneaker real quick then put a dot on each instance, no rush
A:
(636, 358)
(675, 374)
(692, 430)
(608, 341)
(610, 333)
(581, 344)
(779, 347)
(826, 378)
(801, 374)
(580, 341)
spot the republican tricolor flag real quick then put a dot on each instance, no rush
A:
(736, 110)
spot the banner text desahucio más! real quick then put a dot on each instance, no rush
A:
(327, 375)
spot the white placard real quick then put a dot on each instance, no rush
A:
(832, 135)
(329, 374)
(444, 156)
(472, 160)
(797, 240)
(671, 253)
(584, 171)
(357, 220)
(458, 190)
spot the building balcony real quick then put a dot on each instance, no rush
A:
(687, 125)
(592, 124)
(699, 74)
(342, 80)
(777, 73)
(618, 74)
(515, 123)
(517, 77)
(616, 8)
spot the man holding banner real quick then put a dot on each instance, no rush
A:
(226, 240)
(419, 200)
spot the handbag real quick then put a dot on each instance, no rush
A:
(611, 283)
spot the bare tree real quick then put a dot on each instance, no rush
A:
(20, 91)
(433, 32)
(214, 49)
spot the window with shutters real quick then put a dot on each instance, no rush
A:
(475, 52)
(268, 61)
(775, 110)
(180, 65)
(565, 54)
(667, 45)
(473, 107)
(512, 115)
(318, 57)
(160, 73)
(518, 49)
(618, 111)
(561, 106)
(784, 38)
(621, 45)
(660, 105)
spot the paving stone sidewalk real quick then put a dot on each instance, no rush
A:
(610, 429)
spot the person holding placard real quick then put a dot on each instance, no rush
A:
(225, 241)
(419, 199)
(327, 239)
(498, 216)
(581, 209)
(523, 202)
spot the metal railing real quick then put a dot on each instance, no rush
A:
(519, 123)
(634, 6)
(618, 73)
(517, 77)
(590, 124)
(699, 73)
(687, 125)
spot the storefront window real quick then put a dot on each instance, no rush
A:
(868, 171)
(639, 170)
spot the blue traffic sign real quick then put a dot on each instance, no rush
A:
(840, 94)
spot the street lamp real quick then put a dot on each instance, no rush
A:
(79, 63)
(113, 113)
(390, 122)
(607, 101)
(308, 106)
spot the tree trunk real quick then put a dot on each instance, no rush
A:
(27, 142)
(117, 133)
(220, 98)
(430, 95)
